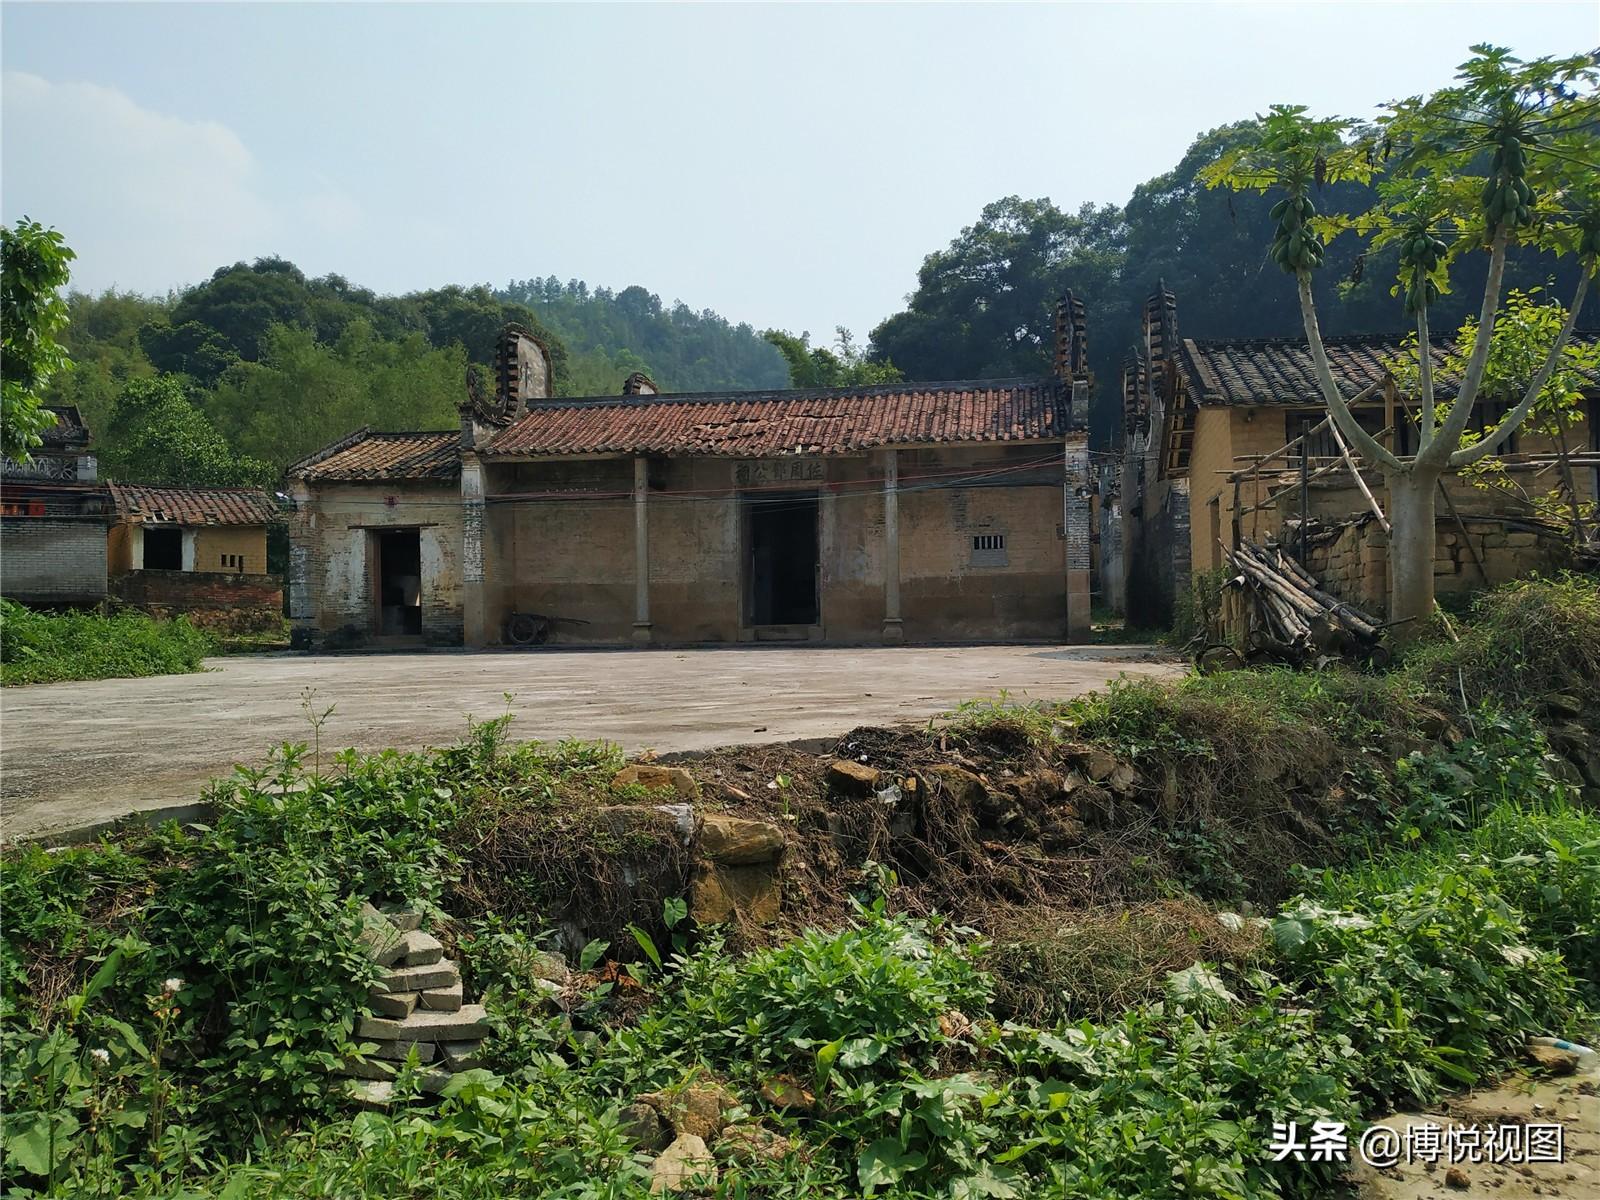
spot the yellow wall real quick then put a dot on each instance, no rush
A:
(213, 542)
(119, 549)
(1220, 435)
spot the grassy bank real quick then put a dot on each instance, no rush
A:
(37, 647)
(1266, 897)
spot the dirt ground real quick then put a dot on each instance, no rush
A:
(1521, 1100)
(76, 754)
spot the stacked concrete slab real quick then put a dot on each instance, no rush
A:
(416, 1007)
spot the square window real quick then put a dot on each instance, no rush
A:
(989, 550)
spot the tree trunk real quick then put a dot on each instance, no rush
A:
(1411, 548)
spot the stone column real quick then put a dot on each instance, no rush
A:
(641, 550)
(893, 630)
(1076, 526)
(476, 627)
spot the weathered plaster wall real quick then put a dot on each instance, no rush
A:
(560, 541)
(331, 578)
(949, 590)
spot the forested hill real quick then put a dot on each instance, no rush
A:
(231, 380)
(609, 335)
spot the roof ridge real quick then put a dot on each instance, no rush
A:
(1345, 339)
(771, 394)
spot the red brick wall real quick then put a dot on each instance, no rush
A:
(212, 599)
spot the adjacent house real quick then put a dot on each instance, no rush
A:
(1229, 438)
(925, 512)
(53, 520)
(200, 552)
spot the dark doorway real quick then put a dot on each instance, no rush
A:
(399, 582)
(163, 549)
(781, 558)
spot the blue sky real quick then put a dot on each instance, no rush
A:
(785, 165)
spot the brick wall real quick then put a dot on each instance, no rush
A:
(214, 599)
(46, 560)
(1354, 566)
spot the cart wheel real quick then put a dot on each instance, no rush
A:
(527, 629)
(1218, 657)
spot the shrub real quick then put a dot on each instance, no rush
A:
(1522, 641)
(49, 647)
(1427, 971)
(876, 987)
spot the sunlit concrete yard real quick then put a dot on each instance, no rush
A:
(75, 754)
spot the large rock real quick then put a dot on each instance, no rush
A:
(736, 842)
(851, 778)
(1099, 763)
(1038, 787)
(1554, 1059)
(721, 893)
(752, 1144)
(684, 1164)
(657, 779)
(701, 1109)
(658, 822)
(959, 784)
(643, 1126)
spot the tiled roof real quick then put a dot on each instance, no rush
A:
(193, 506)
(367, 456)
(1260, 371)
(817, 421)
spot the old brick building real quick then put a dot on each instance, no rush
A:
(68, 539)
(1199, 412)
(53, 520)
(925, 512)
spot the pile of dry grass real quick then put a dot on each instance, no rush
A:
(1052, 964)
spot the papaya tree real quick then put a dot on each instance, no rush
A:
(1506, 158)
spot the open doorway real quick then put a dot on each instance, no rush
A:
(163, 549)
(781, 559)
(399, 579)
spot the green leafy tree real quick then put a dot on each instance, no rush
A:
(1507, 156)
(984, 306)
(158, 435)
(33, 270)
(845, 365)
(303, 394)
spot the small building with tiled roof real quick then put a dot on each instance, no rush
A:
(1199, 413)
(199, 552)
(953, 511)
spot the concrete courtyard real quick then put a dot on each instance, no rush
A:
(76, 754)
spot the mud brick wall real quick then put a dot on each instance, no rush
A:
(213, 599)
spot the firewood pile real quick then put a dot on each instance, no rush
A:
(1292, 620)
